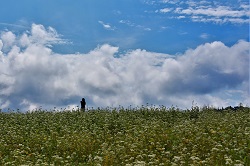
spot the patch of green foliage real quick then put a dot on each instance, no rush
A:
(140, 136)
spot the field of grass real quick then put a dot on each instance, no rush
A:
(141, 136)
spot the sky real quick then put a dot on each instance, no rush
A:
(124, 53)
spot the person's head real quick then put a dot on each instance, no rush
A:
(83, 99)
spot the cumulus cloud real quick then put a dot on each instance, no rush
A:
(8, 38)
(32, 75)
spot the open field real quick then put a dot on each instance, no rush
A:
(141, 136)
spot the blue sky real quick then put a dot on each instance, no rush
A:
(165, 34)
(132, 24)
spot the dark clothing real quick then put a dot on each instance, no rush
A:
(83, 104)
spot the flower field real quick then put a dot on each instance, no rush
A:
(118, 136)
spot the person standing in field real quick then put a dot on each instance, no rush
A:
(83, 104)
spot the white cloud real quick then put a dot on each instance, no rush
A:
(106, 26)
(131, 24)
(204, 36)
(209, 11)
(127, 22)
(170, 1)
(32, 75)
(14, 25)
(220, 11)
(181, 17)
(8, 39)
(39, 34)
(4, 104)
(1, 53)
(165, 10)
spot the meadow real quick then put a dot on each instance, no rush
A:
(132, 136)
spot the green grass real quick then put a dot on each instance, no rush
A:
(142, 136)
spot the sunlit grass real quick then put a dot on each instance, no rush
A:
(140, 136)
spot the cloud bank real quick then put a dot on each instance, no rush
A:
(32, 75)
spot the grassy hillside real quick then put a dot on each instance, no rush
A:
(142, 136)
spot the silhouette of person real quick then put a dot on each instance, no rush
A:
(83, 104)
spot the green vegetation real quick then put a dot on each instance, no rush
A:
(141, 136)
